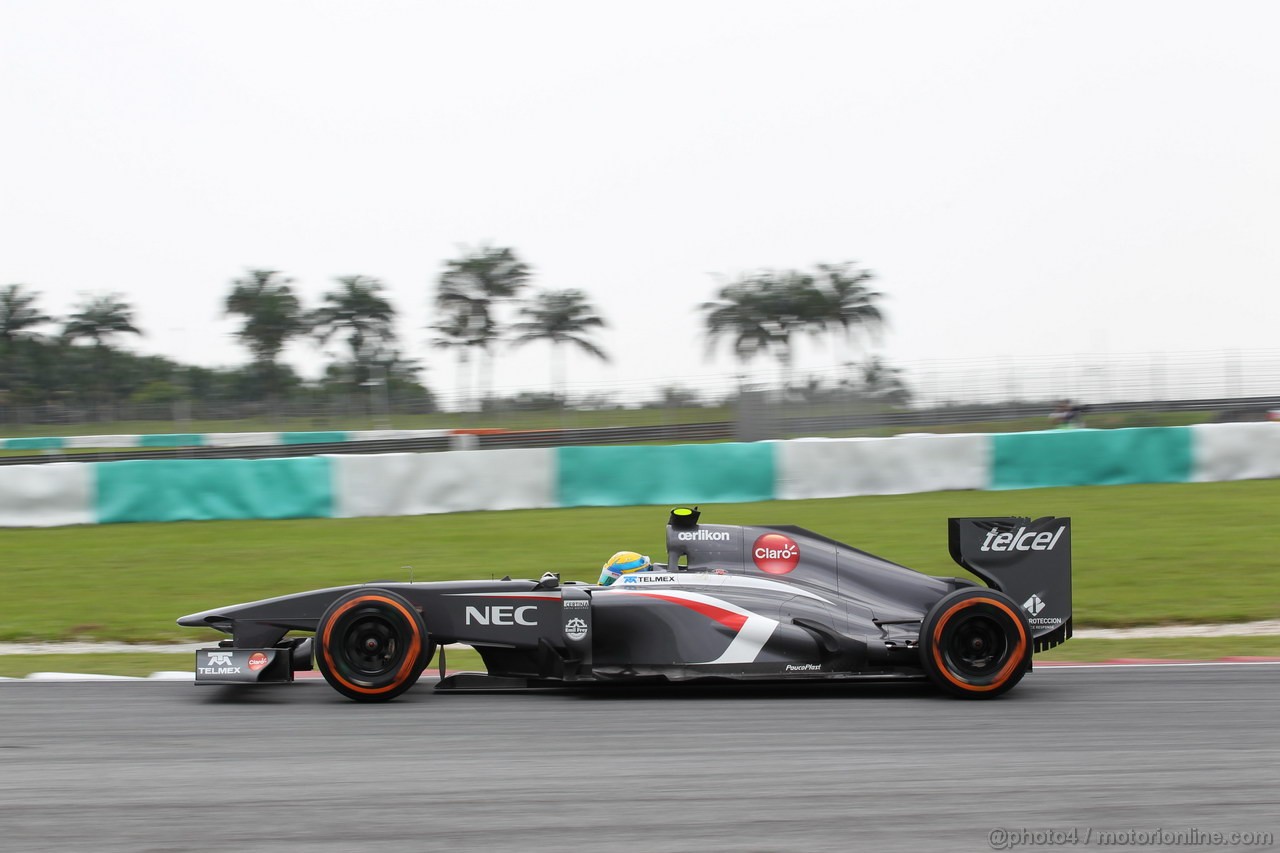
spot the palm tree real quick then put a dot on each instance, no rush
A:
(559, 317)
(796, 305)
(743, 311)
(884, 382)
(476, 284)
(762, 312)
(357, 311)
(459, 332)
(18, 314)
(99, 319)
(272, 315)
(846, 302)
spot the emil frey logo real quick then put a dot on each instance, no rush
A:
(775, 553)
(575, 629)
(1033, 605)
(1023, 540)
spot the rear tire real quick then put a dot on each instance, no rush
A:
(975, 643)
(371, 645)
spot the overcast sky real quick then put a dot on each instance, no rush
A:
(1025, 178)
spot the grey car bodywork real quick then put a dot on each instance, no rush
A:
(733, 601)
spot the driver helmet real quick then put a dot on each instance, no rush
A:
(623, 563)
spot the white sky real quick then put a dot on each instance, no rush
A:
(1026, 178)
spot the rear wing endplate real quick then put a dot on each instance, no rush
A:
(1028, 560)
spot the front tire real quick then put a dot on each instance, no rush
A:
(371, 645)
(975, 643)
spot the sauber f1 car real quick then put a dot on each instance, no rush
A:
(736, 602)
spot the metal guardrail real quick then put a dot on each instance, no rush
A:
(259, 452)
(666, 434)
(1227, 408)
(817, 424)
(531, 438)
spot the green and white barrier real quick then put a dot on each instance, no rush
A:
(830, 468)
(349, 486)
(1236, 452)
(51, 495)
(1090, 457)
(456, 481)
(207, 489)
(214, 439)
(665, 474)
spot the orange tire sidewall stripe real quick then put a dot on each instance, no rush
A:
(1015, 659)
(410, 658)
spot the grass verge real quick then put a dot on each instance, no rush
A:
(1146, 554)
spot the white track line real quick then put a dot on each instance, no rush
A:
(1266, 628)
(120, 648)
(1047, 666)
(101, 648)
(178, 675)
(1269, 627)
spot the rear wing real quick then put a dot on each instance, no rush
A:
(1030, 561)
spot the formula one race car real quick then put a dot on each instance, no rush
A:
(774, 603)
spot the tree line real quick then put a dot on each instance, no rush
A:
(483, 300)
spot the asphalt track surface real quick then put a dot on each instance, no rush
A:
(163, 766)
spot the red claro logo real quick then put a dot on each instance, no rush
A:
(257, 661)
(775, 553)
